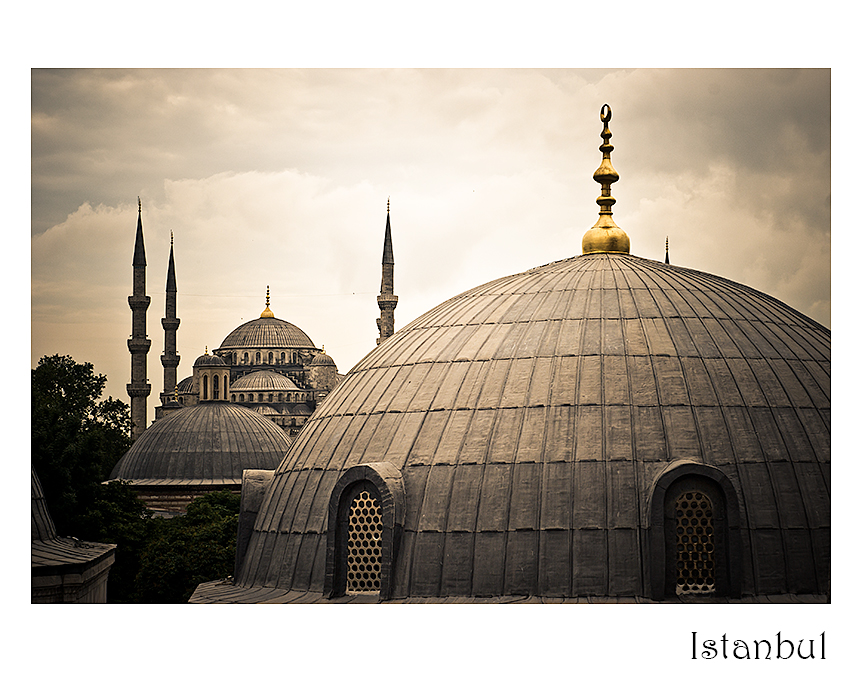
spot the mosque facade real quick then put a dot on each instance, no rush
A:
(239, 410)
(605, 427)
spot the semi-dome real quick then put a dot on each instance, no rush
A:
(264, 380)
(208, 443)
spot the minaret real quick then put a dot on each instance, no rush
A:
(387, 299)
(170, 323)
(138, 344)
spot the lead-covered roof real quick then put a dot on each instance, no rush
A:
(211, 442)
(530, 416)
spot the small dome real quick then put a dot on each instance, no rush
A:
(263, 381)
(209, 360)
(207, 443)
(186, 385)
(265, 410)
(322, 359)
(266, 333)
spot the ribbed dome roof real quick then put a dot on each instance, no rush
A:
(322, 359)
(209, 360)
(210, 442)
(267, 333)
(264, 380)
(532, 420)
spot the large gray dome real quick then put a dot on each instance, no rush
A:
(527, 435)
(209, 443)
(266, 333)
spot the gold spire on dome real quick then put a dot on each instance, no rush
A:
(266, 313)
(605, 235)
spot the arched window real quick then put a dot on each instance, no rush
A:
(281, 398)
(215, 387)
(245, 357)
(282, 357)
(364, 534)
(695, 540)
(695, 544)
(366, 511)
(206, 387)
(260, 397)
(233, 398)
(270, 398)
(257, 357)
(251, 397)
(270, 357)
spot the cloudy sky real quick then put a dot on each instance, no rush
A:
(281, 178)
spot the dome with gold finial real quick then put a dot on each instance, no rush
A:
(266, 333)
(605, 235)
(605, 426)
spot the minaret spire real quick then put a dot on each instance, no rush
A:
(605, 235)
(170, 323)
(666, 250)
(387, 300)
(138, 343)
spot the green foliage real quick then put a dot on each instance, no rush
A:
(76, 439)
(188, 550)
(114, 515)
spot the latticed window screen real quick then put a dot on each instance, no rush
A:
(695, 544)
(364, 529)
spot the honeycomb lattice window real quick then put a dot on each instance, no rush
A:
(364, 529)
(695, 544)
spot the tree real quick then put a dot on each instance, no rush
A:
(188, 550)
(76, 439)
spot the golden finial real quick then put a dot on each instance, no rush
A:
(206, 349)
(266, 312)
(666, 251)
(176, 393)
(605, 235)
(139, 205)
(172, 237)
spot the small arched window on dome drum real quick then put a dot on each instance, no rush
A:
(233, 398)
(281, 398)
(215, 387)
(695, 542)
(270, 357)
(282, 357)
(205, 380)
(257, 357)
(251, 397)
(366, 510)
(245, 357)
